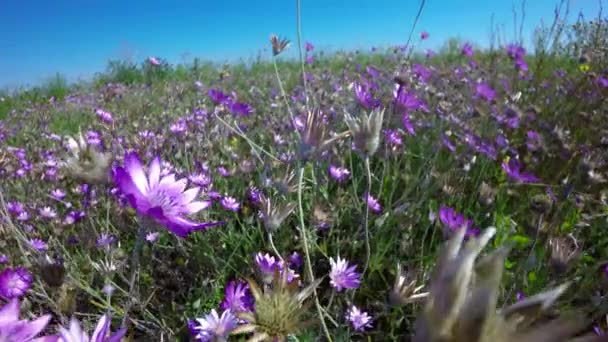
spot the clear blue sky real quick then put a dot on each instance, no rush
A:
(77, 38)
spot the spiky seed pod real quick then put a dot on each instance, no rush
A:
(564, 250)
(315, 138)
(273, 215)
(365, 130)
(51, 270)
(278, 44)
(463, 295)
(85, 162)
(280, 310)
(405, 290)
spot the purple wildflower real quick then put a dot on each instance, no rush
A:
(202, 179)
(454, 221)
(241, 109)
(104, 116)
(4, 258)
(364, 96)
(467, 50)
(295, 260)
(424, 35)
(152, 236)
(309, 47)
(58, 194)
(513, 169)
(267, 265)
(15, 207)
(214, 327)
(359, 320)
(14, 329)
(407, 101)
(217, 96)
(237, 297)
(486, 92)
(342, 276)
(339, 174)
(105, 239)
(162, 199)
(15, 282)
(230, 203)
(422, 72)
(373, 204)
(407, 123)
(154, 61)
(447, 143)
(38, 244)
(393, 137)
(47, 213)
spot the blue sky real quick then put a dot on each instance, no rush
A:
(77, 38)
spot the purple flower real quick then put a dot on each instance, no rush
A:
(467, 50)
(202, 179)
(241, 109)
(454, 221)
(359, 320)
(533, 140)
(372, 203)
(520, 296)
(152, 236)
(15, 207)
(295, 260)
(393, 138)
(230, 203)
(267, 265)
(364, 96)
(422, 72)
(237, 297)
(340, 174)
(217, 96)
(342, 276)
(58, 194)
(105, 239)
(254, 195)
(38, 244)
(602, 82)
(47, 213)
(309, 47)
(4, 258)
(12, 329)
(486, 92)
(15, 282)
(153, 61)
(407, 123)
(424, 35)
(100, 334)
(104, 116)
(310, 59)
(163, 199)
(214, 327)
(513, 169)
(447, 143)
(406, 101)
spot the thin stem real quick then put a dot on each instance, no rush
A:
(135, 256)
(299, 28)
(283, 93)
(409, 38)
(274, 248)
(311, 274)
(366, 223)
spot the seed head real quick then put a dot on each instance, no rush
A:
(278, 44)
(365, 131)
(273, 215)
(85, 162)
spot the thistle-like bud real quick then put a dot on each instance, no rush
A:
(564, 250)
(315, 138)
(405, 290)
(365, 131)
(273, 215)
(278, 44)
(464, 293)
(280, 310)
(51, 270)
(85, 162)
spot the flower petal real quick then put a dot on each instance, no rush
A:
(189, 195)
(154, 173)
(101, 330)
(196, 206)
(29, 330)
(135, 169)
(10, 311)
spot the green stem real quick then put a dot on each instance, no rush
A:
(366, 222)
(283, 93)
(135, 256)
(311, 274)
(300, 50)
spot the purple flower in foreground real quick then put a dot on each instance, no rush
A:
(340, 174)
(373, 204)
(165, 199)
(241, 109)
(359, 320)
(15, 207)
(104, 116)
(15, 282)
(454, 221)
(75, 333)
(486, 92)
(217, 96)
(513, 169)
(214, 327)
(237, 297)
(364, 96)
(230, 203)
(342, 276)
(12, 329)
(268, 265)
(467, 50)
(407, 101)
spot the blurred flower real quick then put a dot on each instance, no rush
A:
(237, 297)
(485, 91)
(164, 200)
(310, 59)
(12, 329)
(230, 203)
(467, 50)
(217, 96)
(202, 179)
(404, 289)
(38, 244)
(340, 174)
(512, 168)
(154, 61)
(295, 260)
(268, 266)
(447, 143)
(75, 333)
(47, 213)
(342, 276)
(309, 46)
(215, 328)
(85, 162)
(455, 221)
(393, 138)
(241, 109)
(424, 35)
(364, 96)
(372, 203)
(152, 236)
(104, 116)
(105, 239)
(365, 130)
(564, 250)
(278, 44)
(273, 214)
(3, 259)
(359, 320)
(15, 282)
(58, 194)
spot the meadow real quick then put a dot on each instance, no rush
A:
(310, 199)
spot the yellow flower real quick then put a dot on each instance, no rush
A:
(584, 67)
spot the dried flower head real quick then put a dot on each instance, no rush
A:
(273, 215)
(278, 44)
(365, 130)
(86, 162)
(405, 289)
(564, 250)
(464, 294)
(280, 310)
